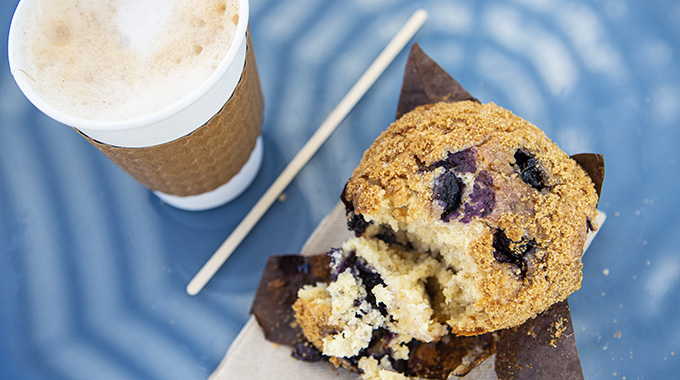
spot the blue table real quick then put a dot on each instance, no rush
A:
(93, 267)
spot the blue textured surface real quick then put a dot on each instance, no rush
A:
(93, 267)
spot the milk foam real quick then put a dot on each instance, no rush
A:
(121, 59)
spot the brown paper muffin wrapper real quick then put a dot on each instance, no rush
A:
(206, 158)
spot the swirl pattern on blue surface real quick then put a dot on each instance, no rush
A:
(93, 267)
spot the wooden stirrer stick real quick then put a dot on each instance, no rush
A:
(308, 150)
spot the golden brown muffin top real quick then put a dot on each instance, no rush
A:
(394, 166)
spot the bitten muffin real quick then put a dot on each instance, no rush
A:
(468, 220)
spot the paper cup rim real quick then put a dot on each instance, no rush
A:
(24, 82)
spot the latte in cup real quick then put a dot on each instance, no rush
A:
(167, 89)
(122, 59)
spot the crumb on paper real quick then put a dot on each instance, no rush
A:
(559, 326)
(605, 271)
(531, 332)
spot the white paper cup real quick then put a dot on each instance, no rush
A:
(170, 131)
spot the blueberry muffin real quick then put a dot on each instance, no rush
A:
(468, 219)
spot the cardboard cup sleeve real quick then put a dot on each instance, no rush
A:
(209, 156)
